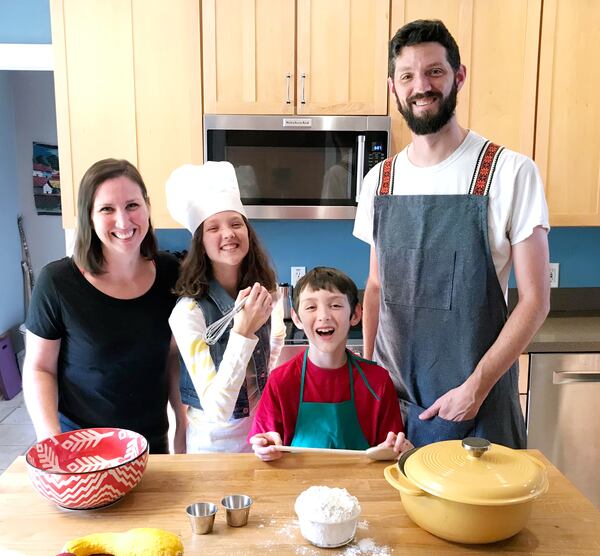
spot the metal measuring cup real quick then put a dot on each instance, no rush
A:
(202, 517)
(237, 509)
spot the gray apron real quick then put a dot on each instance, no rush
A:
(441, 305)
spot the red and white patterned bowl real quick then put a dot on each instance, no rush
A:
(87, 468)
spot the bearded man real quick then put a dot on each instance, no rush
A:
(446, 219)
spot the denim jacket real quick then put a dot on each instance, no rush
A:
(214, 304)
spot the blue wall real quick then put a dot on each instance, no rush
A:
(578, 252)
(11, 283)
(330, 242)
(25, 21)
(306, 243)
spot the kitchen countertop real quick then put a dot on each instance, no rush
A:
(562, 522)
(567, 334)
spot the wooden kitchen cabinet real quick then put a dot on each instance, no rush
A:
(248, 51)
(498, 41)
(128, 85)
(567, 147)
(295, 56)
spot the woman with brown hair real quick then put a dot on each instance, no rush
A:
(99, 347)
(225, 264)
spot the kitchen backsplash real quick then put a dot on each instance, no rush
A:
(330, 242)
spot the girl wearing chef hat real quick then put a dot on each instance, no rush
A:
(222, 383)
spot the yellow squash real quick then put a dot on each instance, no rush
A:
(144, 541)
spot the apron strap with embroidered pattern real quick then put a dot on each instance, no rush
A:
(485, 168)
(386, 176)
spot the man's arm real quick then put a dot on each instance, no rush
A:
(371, 306)
(530, 263)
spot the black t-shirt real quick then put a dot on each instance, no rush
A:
(113, 352)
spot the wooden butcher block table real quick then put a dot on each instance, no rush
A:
(564, 522)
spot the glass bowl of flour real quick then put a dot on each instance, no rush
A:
(327, 516)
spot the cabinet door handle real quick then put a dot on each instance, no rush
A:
(565, 377)
(302, 81)
(288, 79)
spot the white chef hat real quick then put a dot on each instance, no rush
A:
(194, 193)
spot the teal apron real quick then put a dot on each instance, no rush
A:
(330, 425)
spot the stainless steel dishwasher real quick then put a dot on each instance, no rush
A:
(563, 419)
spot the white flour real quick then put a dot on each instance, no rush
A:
(327, 516)
(366, 546)
(327, 505)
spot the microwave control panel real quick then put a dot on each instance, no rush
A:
(376, 152)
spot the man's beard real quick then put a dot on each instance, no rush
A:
(429, 123)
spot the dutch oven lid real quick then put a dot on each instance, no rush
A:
(475, 471)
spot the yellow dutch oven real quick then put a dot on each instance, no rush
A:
(468, 491)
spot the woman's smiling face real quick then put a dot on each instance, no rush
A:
(120, 215)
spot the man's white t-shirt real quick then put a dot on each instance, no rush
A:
(517, 203)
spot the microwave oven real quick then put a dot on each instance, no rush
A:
(298, 167)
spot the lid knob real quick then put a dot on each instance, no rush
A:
(476, 447)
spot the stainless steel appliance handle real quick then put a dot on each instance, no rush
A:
(360, 165)
(288, 78)
(302, 80)
(566, 377)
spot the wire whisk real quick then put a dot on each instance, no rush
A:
(217, 329)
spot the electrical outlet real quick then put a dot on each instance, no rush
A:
(297, 273)
(554, 270)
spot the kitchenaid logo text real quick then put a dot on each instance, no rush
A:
(297, 122)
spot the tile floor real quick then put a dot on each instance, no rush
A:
(16, 430)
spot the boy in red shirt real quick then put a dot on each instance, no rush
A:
(327, 397)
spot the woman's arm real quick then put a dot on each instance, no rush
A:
(40, 384)
(179, 409)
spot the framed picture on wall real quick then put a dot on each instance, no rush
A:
(46, 179)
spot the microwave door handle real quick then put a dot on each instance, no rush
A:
(360, 165)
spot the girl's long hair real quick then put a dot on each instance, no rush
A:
(196, 269)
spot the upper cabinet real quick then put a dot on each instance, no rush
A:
(248, 51)
(128, 85)
(498, 41)
(567, 147)
(295, 56)
(128, 80)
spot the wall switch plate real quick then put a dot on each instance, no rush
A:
(554, 270)
(297, 273)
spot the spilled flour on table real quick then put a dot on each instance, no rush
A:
(286, 530)
(366, 546)
(289, 530)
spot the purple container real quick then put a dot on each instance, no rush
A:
(10, 377)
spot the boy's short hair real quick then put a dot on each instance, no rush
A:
(326, 278)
